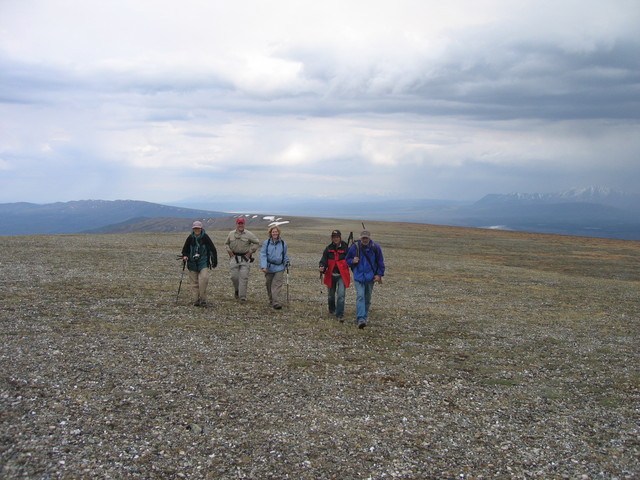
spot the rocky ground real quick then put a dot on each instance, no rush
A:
(488, 355)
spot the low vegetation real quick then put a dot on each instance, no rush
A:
(488, 355)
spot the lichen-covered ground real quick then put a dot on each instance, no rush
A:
(488, 355)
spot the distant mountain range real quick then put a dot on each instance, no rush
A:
(593, 195)
(85, 215)
(593, 211)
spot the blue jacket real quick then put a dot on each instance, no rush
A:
(371, 261)
(274, 256)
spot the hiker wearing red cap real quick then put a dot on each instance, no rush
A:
(241, 245)
(200, 256)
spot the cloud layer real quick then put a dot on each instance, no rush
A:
(161, 101)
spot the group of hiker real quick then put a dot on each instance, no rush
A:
(364, 258)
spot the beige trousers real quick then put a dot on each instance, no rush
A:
(199, 281)
(274, 282)
(240, 275)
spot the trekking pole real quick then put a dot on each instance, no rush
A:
(286, 281)
(323, 295)
(184, 264)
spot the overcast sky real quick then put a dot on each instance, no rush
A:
(164, 101)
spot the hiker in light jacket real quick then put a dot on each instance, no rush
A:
(367, 262)
(200, 255)
(274, 259)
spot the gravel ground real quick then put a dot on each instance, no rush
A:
(471, 368)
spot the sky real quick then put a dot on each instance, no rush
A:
(168, 101)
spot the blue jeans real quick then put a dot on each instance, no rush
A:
(337, 286)
(363, 300)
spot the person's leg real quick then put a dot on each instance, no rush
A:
(276, 289)
(368, 292)
(234, 270)
(341, 292)
(268, 281)
(243, 280)
(193, 284)
(361, 312)
(331, 297)
(203, 282)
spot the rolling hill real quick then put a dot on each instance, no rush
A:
(85, 215)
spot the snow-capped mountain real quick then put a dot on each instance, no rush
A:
(593, 195)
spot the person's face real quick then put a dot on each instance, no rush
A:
(197, 231)
(365, 241)
(275, 233)
(240, 227)
(336, 239)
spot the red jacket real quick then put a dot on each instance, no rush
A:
(335, 256)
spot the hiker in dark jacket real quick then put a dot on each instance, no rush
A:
(201, 255)
(366, 260)
(336, 273)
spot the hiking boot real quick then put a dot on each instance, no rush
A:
(197, 303)
(278, 307)
(236, 294)
(340, 319)
(361, 325)
(203, 304)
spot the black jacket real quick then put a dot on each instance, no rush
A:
(211, 252)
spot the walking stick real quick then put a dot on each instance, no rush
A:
(323, 296)
(287, 283)
(184, 264)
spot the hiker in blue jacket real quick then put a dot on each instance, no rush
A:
(274, 259)
(367, 262)
(200, 255)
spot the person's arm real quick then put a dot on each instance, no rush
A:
(381, 266)
(185, 250)
(255, 243)
(213, 253)
(287, 262)
(351, 258)
(263, 256)
(227, 244)
(324, 260)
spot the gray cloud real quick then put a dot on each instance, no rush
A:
(409, 98)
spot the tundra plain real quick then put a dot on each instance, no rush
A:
(489, 354)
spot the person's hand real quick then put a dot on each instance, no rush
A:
(355, 260)
(377, 279)
(264, 270)
(185, 259)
